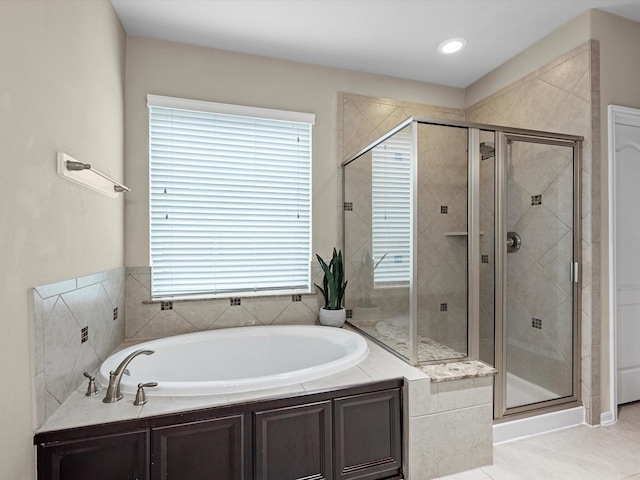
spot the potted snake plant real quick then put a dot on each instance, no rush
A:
(332, 289)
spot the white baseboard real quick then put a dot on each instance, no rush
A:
(607, 418)
(547, 422)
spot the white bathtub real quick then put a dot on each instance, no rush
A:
(238, 359)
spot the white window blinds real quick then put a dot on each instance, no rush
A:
(391, 210)
(230, 199)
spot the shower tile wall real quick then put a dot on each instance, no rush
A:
(442, 246)
(89, 308)
(539, 287)
(362, 119)
(562, 96)
(151, 320)
(442, 260)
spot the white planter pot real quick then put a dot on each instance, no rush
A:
(332, 318)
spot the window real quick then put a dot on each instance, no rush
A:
(230, 199)
(391, 210)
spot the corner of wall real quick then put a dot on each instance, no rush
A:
(573, 33)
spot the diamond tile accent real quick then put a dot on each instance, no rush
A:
(296, 298)
(536, 200)
(166, 305)
(235, 301)
(536, 323)
(443, 307)
(444, 209)
(84, 334)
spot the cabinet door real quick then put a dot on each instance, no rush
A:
(368, 435)
(293, 443)
(122, 456)
(208, 449)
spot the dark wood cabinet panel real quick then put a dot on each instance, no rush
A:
(368, 436)
(294, 443)
(204, 450)
(123, 456)
(342, 434)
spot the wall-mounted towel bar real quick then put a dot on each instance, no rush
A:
(84, 174)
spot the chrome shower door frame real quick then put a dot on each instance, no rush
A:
(503, 135)
(504, 138)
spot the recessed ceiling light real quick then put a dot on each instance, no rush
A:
(452, 45)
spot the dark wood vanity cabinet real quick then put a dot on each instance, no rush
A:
(345, 434)
(351, 437)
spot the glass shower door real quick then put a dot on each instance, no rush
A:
(540, 255)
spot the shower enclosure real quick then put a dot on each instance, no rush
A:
(461, 241)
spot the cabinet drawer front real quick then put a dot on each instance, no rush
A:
(122, 455)
(208, 449)
(368, 435)
(294, 443)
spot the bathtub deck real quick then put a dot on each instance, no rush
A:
(80, 410)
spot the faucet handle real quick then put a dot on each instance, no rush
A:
(141, 397)
(91, 388)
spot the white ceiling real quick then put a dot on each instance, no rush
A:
(389, 37)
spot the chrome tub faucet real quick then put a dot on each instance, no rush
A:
(113, 390)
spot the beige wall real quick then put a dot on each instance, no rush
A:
(173, 69)
(61, 88)
(619, 72)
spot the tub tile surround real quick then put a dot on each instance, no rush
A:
(147, 320)
(448, 426)
(60, 311)
(452, 418)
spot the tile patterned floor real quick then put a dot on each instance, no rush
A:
(577, 453)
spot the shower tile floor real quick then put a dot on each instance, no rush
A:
(394, 332)
(576, 453)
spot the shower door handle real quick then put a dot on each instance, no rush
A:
(574, 272)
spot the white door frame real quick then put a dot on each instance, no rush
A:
(615, 114)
